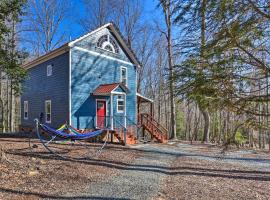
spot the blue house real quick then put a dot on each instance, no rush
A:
(89, 83)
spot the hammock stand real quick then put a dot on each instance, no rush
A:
(73, 136)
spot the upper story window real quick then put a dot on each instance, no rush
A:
(49, 70)
(123, 75)
(25, 109)
(108, 43)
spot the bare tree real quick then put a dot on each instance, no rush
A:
(98, 13)
(44, 21)
(167, 11)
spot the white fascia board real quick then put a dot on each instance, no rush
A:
(140, 95)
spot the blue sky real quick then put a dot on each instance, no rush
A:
(150, 14)
(72, 28)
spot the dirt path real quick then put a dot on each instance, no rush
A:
(139, 180)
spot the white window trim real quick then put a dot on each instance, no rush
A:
(25, 102)
(50, 111)
(121, 78)
(108, 43)
(49, 66)
(124, 100)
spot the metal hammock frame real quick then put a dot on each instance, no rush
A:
(55, 135)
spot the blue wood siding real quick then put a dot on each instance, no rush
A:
(88, 71)
(39, 87)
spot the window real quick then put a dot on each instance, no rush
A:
(25, 109)
(108, 43)
(108, 47)
(123, 76)
(48, 109)
(114, 44)
(120, 104)
(49, 70)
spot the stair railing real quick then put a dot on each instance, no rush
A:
(117, 124)
(150, 122)
(134, 124)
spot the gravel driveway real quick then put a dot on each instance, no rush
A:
(145, 177)
(139, 180)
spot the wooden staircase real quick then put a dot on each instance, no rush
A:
(131, 139)
(148, 123)
(153, 127)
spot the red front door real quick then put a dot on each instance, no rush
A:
(101, 113)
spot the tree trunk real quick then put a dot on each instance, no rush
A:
(196, 123)
(205, 113)
(11, 109)
(206, 130)
(170, 62)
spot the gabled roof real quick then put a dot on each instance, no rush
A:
(106, 89)
(52, 54)
(64, 48)
(119, 37)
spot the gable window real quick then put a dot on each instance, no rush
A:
(108, 43)
(25, 109)
(49, 70)
(108, 47)
(123, 75)
(120, 104)
(48, 109)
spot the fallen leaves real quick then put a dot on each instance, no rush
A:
(35, 174)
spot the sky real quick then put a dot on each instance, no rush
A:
(150, 14)
(72, 28)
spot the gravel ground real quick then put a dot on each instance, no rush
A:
(146, 171)
(247, 158)
(202, 172)
(40, 175)
(138, 180)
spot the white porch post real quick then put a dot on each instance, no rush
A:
(125, 117)
(111, 113)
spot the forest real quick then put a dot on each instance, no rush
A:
(205, 63)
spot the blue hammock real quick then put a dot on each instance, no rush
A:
(71, 136)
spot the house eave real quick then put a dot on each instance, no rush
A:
(123, 43)
(57, 52)
(144, 98)
(101, 94)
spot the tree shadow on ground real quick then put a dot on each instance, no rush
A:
(169, 153)
(48, 196)
(184, 171)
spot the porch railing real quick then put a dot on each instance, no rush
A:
(123, 125)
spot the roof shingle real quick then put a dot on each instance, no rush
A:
(105, 88)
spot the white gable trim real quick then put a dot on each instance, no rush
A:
(117, 35)
(126, 48)
(103, 55)
(71, 44)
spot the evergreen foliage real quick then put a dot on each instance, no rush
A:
(10, 57)
(225, 45)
